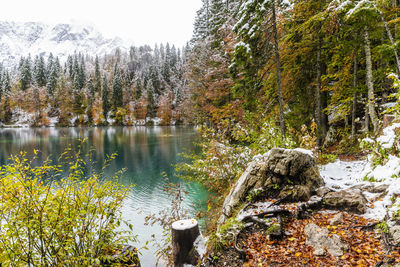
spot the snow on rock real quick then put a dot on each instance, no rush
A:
(304, 151)
(388, 137)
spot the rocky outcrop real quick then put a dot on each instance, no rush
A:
(349, 200)
(322, 241)
(282, 173)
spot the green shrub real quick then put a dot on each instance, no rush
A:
(52, 215)
(327, 158)
(226, 234)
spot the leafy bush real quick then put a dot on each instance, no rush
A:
(217, 166)
(52, 215)
(226, 234)
(396, 96)
(378, 154)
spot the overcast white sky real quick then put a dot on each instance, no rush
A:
(142, 21)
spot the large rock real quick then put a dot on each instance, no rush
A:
(322, 241)
(282, 172)
(337, 219)
(349, 200)
(395, 233)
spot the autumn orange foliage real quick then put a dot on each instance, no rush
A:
(366, 248)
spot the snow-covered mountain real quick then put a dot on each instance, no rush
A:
(22, 38)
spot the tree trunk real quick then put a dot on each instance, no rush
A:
(354, 108)
(389, 33)
(366, 123)
(278, 70)
(184, 234)
(395, 26)
(324, 116)
(370, 82)
(318, 91)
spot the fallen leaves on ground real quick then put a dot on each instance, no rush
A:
(366, 248)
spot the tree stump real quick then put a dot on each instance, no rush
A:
(184, 234)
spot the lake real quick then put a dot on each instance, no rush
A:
(146, 153)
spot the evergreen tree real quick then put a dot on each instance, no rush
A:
(151, 106)
(97, 76)
(50, 64)
(40, 71)
(26, 74)
(6, 107)
(6, 84)
(52, 81)
(1, 83)
(117, 89)
(139, 88)
(91, 95)
(82, 74)
(70, 66)
(105, 97)
(78, 101)
(202, 22)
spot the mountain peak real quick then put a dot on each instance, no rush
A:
(19, 39)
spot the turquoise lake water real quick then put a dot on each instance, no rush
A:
(146, 152)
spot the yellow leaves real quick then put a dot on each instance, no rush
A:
(298, 254)
(73, 206)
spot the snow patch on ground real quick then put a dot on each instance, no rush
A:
(383, 172)
(342, 175)
(200, 245)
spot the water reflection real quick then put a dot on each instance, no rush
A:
(146, 152)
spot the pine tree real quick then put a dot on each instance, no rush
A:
(151, 106)
(52, 81)
(6, 107)
(139, 89)
(1, 83)
(82, 74)
(26, 74)
(70, 66)
(202, 22)
(97, 76)
(117, 88)
(105, 97)
(78, 101)
(40, 71)
(91, 95)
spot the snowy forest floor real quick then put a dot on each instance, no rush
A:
(366, 244)
(365, 234)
